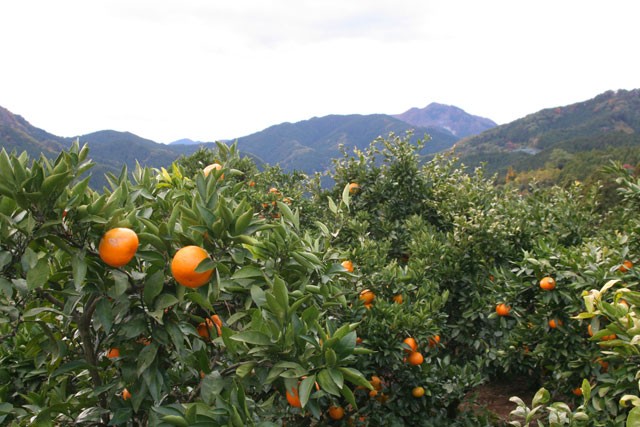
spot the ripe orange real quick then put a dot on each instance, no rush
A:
(354, 187)
(207, 170)
(376, 382)
(397, 299)
(373, 393)
(503, 309)
(203, 330)
(252, 183)
(412, 343)
(216, 321)
(336, 413)
(293, 398)
(548, 283)
(417, 392)
(553, 323)
(348, 265)
(113, 353)
(415, 358)
(125, 394)
(626, 266)
(590, 330)
(577, 391)
(603, 364)
(434, 341)
(274, 190)
(183, 267)
(367, 296)
(118, 246)
(368, 305)
(609, 337)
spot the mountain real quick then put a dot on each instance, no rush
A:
(607, 126)
(453, 119)
(186, 141)
(310, 145)
(19, 135)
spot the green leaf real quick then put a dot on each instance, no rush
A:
(78, 269)
(146, 357)
(252, 337)
(121, 282)
(211, 386)
(165, 300)
(305, 389)
(38, 275)
(75, 365)
(153, 286)
(175, 420)
(200, 300)
(355, 377)
(633, 418)
(243, 221)
(247, 272)
(244, 369)
(281, 293)
(104, 315)
(349, 397)
(540, 398)
(327, 384)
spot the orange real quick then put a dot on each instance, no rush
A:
(354, 187)
(118, 246)
(368, 305)
(358, 340)
(183, 267)
(626, 266)
(125, 394)
(367, 296)
(609, 337)
(590, 330)
(207, 170)
(553, 323)
(274, 190)
(113, 353)
(293, 398)
(577, 391)
(252, 183)
(348, 265)
(376, 382)
(373, 393)
(397, 299)
(603, 364)
(434, 341)
(336, 413)
(503, 309)
(216, 321)
(203, 330)
(417, 392)
(415, 358)
(547, 283)
(411, 342)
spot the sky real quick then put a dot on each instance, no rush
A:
(211, 69)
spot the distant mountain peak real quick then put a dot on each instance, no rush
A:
(455, 120)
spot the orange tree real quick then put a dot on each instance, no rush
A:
(86, 343)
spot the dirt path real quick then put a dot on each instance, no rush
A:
(495, 395)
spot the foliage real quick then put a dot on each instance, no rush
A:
(434, 250)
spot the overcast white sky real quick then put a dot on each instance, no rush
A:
(214, 69)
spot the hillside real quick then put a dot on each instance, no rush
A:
(19, 135)
(310, 145)
(601, 127)
(449, 117)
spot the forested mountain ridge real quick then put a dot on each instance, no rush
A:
(608, 124)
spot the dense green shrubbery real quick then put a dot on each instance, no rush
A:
(438, 247)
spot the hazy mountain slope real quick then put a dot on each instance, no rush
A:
(609, 120)
(310, 145)
(454, 119)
